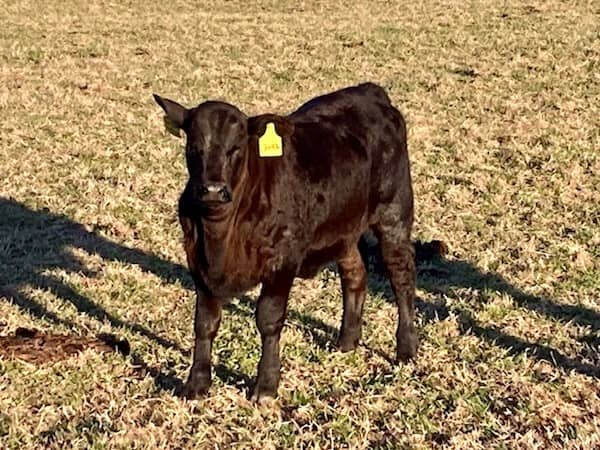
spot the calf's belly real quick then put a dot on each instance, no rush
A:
(317, 258)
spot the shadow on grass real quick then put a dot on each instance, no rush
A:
(35, 242)
(442, 277)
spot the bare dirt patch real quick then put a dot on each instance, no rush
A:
(38, 348)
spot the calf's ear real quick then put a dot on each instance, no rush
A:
(258, 124)
(175, 113)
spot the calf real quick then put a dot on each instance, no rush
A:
(270, 198)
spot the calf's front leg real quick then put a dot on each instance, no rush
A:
(206, 325)
(270, 317)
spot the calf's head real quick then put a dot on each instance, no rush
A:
(216, 141)
(218, 137)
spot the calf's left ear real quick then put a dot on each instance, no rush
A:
(175, 114)
(258, 124)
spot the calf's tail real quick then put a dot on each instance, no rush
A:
(424, 252)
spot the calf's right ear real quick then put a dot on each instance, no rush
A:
(175, 114)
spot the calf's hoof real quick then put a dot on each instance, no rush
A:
(348, 342)
(192, 390)
(262, 395)
(407, 346)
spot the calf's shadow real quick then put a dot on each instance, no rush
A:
(34, 242)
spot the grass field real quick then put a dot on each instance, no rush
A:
(502, 101)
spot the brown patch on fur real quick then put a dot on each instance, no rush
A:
(190, 239)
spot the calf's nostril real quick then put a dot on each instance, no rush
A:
(225, 195)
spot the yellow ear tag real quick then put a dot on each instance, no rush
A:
(270, 143)
(171, 127)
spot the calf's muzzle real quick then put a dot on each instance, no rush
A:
(214, 192)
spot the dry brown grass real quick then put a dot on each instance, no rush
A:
(502, 101)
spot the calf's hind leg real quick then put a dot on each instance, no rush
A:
(354, 288)
(399, 258)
